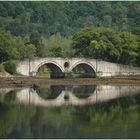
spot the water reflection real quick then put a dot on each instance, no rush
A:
(54, 95)
(25, 113)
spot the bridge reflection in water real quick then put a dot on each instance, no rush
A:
(66, 95)
(70, 95)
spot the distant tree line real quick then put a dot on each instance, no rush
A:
(67, 17)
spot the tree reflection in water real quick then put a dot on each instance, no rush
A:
(117, 118)
(53, 91)
(49, 92)
(83, 91)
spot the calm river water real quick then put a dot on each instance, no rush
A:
(104, 111)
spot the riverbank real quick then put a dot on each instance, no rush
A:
(30, 81)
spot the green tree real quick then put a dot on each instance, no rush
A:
(106, 44)
(8, 48)
(129, 47)
(36, 40)
(56, 51)
(1, 68)
(136, 31)
(10, 66)
(59, 43)
(30, 51)
(98, 43)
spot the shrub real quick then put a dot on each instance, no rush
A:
(10, 66)
(1, 68)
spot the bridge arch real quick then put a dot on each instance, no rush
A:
(56, 70)
(87, 66)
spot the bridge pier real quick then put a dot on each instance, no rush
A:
(68, 75)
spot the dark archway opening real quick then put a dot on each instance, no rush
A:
(83, 71)
(50, 70)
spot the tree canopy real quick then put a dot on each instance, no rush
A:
(67, 17)
(107, 44)
(104, 30)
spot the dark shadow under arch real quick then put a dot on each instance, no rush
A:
(85, 71)
(56, 72)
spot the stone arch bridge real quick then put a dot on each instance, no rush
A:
(61, 67)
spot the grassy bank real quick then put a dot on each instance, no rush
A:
(29, 81)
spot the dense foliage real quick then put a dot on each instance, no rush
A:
(103, 30)
(67, 17)
(1, 68)
(10, 66)
(107, 44)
